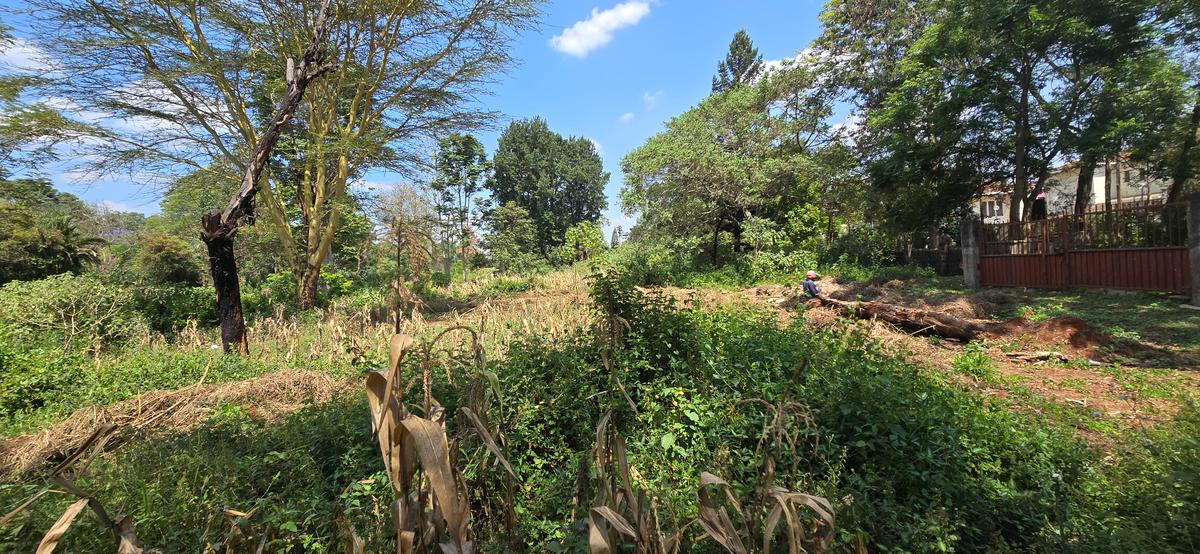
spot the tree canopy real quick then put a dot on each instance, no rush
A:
(558, 180)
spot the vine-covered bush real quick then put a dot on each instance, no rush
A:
(78, 312)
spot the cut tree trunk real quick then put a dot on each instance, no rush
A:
(918, 321)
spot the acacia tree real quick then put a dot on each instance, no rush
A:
(181, 85)
(461, 165)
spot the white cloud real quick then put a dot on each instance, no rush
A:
(650, 99)
(599, 148)
(114, 206)
(625, 117)
(597, 30)
(22, 56)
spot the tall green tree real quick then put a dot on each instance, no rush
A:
(511, 241)
(736, 154)
(741, 65)
(558, 180)
(997, 91)
(461, 165)
(188, 81)
(1180, 21)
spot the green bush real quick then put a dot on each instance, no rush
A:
(165, 259)
(863, 246)
(501, 286)
(975, 362)
(846, 269)
(765, 265)
(74, 312)
(647, 264)
(169, 307)
(31, 379)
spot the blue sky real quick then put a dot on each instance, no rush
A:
(658, 60)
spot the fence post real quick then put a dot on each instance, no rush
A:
(1193, 224)
(969, 240)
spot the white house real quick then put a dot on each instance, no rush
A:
(1129, 184)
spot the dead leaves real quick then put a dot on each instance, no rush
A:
(432, 504)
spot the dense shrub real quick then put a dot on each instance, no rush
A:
(165, 259)
(862, 245)
(75, 312)
(647, 264)
(31, 378)
(280, 290)
(169, 307)
(764, 265)
(581, 242)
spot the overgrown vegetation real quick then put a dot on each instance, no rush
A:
(512, 407)
(907, 460)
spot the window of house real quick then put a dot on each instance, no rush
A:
(1128, 173)
(992, 208)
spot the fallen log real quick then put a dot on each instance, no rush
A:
(912, 319)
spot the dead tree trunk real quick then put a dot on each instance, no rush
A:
(223, 266)
(218, 229)
(918, 321)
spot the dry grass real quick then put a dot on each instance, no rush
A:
(268, 398)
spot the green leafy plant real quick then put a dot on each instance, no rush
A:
(975, 362)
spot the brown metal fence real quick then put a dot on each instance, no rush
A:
(1138, 248)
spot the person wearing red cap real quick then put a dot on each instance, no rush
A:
(810, 285)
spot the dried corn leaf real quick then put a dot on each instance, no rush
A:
(617, 522)
(395, 444)
(715, 520)
(405, 537)
(56, 532)
(431, 445)
(399, 346)
(487, 439)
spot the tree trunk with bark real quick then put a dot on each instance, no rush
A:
(1183, 165)
(1020, 179)
(306, 288)
(223, 266)
(917, 321)
(218, 229)
(1107, 186)
(1083, 187)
